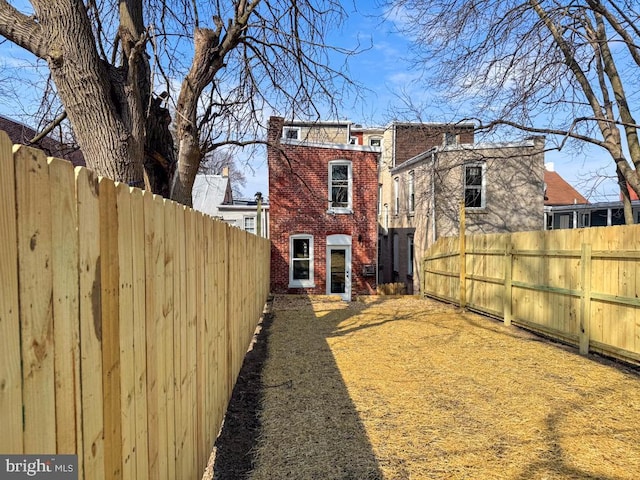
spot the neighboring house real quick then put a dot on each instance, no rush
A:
(565, 207)
(401, 142)
(500, 184)
(210, 191)
(323, 225)
(20, 134)
(244, 215)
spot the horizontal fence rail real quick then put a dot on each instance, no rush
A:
(124, 320)
(581, 287)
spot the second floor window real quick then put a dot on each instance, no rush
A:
(474, 186)
(396, 196)
(411, 197)
(340, 182)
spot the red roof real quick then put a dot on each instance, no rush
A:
(21, 134)
(559, 192)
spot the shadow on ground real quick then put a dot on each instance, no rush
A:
(311, 426)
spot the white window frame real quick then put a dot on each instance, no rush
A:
(411, 197)
(244, 224)
(349, 207)
(287, 129)
(396, 196)
(353, 141)
(450, 138)
(377, 140)
(482, 188)
(301, 283)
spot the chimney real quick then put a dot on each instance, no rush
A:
(275, 130)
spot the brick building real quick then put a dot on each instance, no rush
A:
(323, 221)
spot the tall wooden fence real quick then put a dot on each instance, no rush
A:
(579, 286)
(124, 320)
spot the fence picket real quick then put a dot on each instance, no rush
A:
(33, 205)
(10, 371)
(64, 261)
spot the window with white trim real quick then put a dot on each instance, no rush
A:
(340, 183)
(291, 133)
(301, 261)
(411, 197)
(375, 142)
(474, 185)
(396, 196)
(250, 224)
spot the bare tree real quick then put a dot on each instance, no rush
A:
(123, 71)
(566, 69)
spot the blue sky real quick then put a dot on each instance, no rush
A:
(385, 72)
(384, 69)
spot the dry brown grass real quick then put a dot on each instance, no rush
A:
(407, 388)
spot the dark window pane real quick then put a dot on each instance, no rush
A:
(473, 176)
(301, 248)
(472, 198)
(339, 172)
(301, 269)
(339, 196)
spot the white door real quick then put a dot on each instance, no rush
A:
(339, 266)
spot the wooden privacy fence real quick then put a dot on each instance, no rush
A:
(124, 320)
(579, 286)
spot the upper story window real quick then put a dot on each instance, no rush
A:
(340, 186)
(301, 261)
(250, 224)
(354, 141)
(450, 138)
(474, 185)
(375, 142)
(396, 196)
(291, 133)
(411, 197)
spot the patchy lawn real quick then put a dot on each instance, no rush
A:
(407, 388)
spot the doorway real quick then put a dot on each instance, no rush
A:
(339, 266)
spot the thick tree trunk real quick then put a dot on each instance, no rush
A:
(95, 95)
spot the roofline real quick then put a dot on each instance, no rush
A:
(468, 147)
(331, 146)
(242, 207)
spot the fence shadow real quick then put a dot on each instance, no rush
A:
(309, 426)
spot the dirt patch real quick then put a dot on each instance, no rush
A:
(399, 388)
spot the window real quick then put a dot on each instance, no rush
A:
(250, 224)
(450, 138)
(301, 261)
(396, 196)
(411, 198)
(353, 141)
(340, 186)
(474, 186)
(291, 133)
(375, 142)
(409, 254)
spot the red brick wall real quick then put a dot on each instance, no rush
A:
(298, 203)
(411, 140)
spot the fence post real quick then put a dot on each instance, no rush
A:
(585, 299)
(508, 265)
(463, 258)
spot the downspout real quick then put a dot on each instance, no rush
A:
(434, 233)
